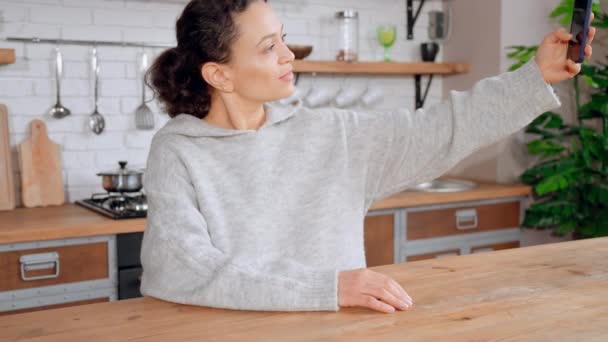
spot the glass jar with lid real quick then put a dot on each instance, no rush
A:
(347, 35)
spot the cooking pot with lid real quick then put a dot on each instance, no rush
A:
(123, 179)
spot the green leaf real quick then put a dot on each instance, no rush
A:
(604, 109)
(549, 213)
(539, 120)
(590, 81)
(556, 182)
(597, 193)
(522, 54)
(544, 133)
(563, 12)
(555, 121)
(536, 220)
(544, 147)
(566, 227)
(548, 169)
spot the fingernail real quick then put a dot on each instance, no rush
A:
(405, 305)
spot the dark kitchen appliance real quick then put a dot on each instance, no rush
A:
(129, 265)
(119, 206)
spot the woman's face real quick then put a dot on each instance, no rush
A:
(261, 62)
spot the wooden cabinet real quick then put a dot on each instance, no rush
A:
(380, 238)
(436, 231)
(463, 219)
(55, 273)
(460, 228)
(39, 267)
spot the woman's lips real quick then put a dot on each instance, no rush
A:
(287, 77)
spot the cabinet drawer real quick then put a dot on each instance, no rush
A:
(495, 247)
(29, 268)
(435, 255)
(462, 220)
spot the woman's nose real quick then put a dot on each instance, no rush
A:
(286, 56)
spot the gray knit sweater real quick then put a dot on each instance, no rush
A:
(264, 220)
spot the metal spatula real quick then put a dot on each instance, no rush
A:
(144, 117)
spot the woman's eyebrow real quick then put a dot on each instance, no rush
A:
(268, 36)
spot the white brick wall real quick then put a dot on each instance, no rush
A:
(28, 87)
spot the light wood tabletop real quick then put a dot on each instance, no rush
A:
(553, 292)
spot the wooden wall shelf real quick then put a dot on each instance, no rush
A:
(416, 69)
(379, 68)
(7, 56)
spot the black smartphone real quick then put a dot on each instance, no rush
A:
(580, 30)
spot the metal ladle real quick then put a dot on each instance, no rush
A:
(58, 111)
(96, 120)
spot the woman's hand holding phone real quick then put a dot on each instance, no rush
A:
(552, 55)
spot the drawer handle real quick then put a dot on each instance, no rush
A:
(41, 261)
(466, 216)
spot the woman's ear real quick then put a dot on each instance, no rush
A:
(215, 75)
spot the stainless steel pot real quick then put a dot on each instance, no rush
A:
(123, 179)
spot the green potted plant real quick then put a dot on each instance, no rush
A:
(571, 181)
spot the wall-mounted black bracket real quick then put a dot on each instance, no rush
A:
(420, 99)
(411, 18)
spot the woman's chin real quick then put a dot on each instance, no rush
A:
(286, 92)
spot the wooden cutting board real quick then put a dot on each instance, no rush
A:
(40, 164)
(7, 184)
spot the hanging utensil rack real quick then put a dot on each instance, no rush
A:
(86, 42)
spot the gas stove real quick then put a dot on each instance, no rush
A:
(117, 205)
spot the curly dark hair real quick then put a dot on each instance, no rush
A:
(205, 32)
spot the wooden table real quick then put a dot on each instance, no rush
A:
(555, 292)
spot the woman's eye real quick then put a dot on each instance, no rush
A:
(272, 46)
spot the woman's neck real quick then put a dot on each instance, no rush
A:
(231, 112)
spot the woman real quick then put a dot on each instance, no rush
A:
(258, 207)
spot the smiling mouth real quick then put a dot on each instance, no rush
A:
(288, 76)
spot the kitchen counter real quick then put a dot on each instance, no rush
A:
(484, 191)
(60, 222)
(71, 220)
(550, 292)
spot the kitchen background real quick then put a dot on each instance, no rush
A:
(28, 86)
(481, 32)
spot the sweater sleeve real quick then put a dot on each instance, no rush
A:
(408, 148)
(182, 265)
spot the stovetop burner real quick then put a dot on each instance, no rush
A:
(117, 205)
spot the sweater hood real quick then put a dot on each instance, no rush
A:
(191, 126)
